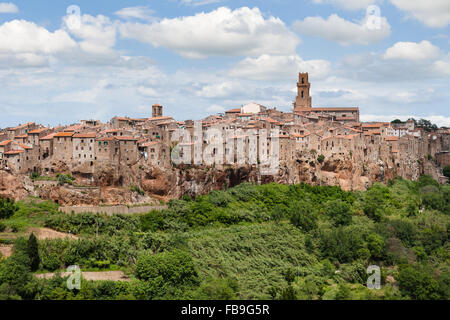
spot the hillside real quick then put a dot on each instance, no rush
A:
(248, 242)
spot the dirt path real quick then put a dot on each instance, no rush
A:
(45, 233)
(93, 276)
(6, 251)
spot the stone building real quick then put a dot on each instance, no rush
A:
(83, 147)
(62, 146)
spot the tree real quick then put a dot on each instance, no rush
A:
(417, 282)
(340, 212)
(321, 158)
(303, 216)
(33, 252)
(397, 121)
(7, 208)
(447, 171)
(376, 245)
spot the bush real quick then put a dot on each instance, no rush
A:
(321, 158)
(220, 198)
(303, 216)
(175, 267)
(447, 171)
(417, 282)
(433, 201)
(339, 211)
(7, 208)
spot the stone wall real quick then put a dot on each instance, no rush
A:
(110, 210)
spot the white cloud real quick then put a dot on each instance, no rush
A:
(138, 12)
(435, 13)
(147, 91)
(221, 32)
(412, 51)
(268, 67)
(196, 3)
(221, 90)
(20, 36)
(215, 109)
(98, 34)
(349, 4)
(23, 60)
(342, 31)
(8, 7)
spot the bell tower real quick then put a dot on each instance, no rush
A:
(157, 110)
(303, 100)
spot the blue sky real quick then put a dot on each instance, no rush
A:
(198, 57)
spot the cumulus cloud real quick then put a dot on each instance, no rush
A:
(348, 4)
(435, 14)
(196, 3)
(138, 12)
(215, 109)
(342, 31)
(412, 51)
(268, 67)
(221, 90)
(20, 36)
(8, 7)
(222, 32)
(97, 34)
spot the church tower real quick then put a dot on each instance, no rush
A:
(303, 100)
(157, 111)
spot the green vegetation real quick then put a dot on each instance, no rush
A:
(447, 171)
(248, 242)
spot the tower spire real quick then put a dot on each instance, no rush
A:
(303, 100)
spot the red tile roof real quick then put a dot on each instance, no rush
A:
(85, 135)
(63, 134)
(4, 143)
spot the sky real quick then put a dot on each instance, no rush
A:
(66, 61)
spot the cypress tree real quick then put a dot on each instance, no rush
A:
(33, 252)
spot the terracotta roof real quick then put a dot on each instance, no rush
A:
(105, 139)
(4, 143)
(157, 105)
(126, 138)
(372, 125)
(238, 110)
(151, 143)
(85, 135)
(21, 126)
(48, 137)
(37, 131)
(63, 134)
(14, 152)
(391, 138)
(334, 109)
(160, 118)
(21, 136)
(25, 146)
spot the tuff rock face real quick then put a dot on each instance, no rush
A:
(110, 185)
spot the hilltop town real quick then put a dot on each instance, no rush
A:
(128, 160)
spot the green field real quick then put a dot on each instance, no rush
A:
(248, 242)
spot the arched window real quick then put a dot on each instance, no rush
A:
(303, 94)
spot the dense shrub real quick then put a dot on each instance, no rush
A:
(7, 208)
(339, 211)
(303, 216)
